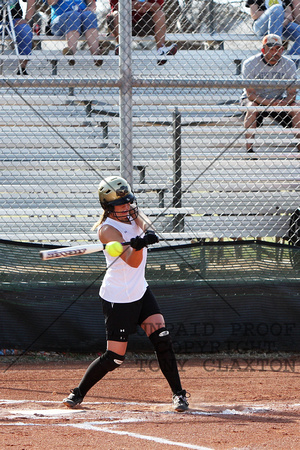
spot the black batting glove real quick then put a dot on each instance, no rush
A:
(140, 242)
(150, 237)
(137, 243)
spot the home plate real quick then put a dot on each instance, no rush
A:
(44, 413)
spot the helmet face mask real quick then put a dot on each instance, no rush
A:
(116, 191)
(126, 215)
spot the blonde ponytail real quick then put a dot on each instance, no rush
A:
(102, 218)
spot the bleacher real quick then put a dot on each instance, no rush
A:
(57, 143)
(53, 191)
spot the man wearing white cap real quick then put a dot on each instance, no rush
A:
(276, 16)
(270, 64)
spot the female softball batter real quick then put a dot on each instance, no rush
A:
(127, 300)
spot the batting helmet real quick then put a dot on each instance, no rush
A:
(114, 191)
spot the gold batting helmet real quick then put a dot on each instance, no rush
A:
(114, 190)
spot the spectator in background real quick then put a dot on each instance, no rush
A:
(296, 10)
(72, 18)
(148, 18)
(275, 19)
(22, 30)
(270, 64)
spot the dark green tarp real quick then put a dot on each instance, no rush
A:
(233, 296)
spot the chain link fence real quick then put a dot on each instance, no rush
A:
(171, 124)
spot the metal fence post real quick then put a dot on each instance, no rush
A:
(178, 223)
(125, 71)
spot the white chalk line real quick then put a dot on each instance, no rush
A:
(57, 413)
(108, 425)
(7, 402)
(62, 412)
(94, 427)
(228, 411)
(44, 414)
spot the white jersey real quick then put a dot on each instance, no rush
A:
(256, 68)
(122, 283)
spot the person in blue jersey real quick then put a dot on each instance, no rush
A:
(127, 300)
(22, 30)
(73, 18)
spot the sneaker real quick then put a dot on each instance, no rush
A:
(68, 52)
(75, 398)
(98, 62)
(22, 71)
(180, 402)
(251, 154)
(163, 52)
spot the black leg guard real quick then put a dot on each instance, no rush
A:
(98, 369)
(162, 343)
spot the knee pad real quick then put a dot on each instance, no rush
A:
(111, 360)
(161, 340)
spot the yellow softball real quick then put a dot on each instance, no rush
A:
(114, 248)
